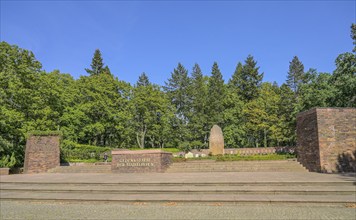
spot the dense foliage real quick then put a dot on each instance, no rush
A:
(100, 110)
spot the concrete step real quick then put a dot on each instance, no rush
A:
(82, 169)
(248, 188)
(167, 197)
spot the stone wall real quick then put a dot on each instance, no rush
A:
(326, 139)
(242, 151)
(142, 161)
(41, 153)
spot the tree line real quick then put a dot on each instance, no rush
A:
(101, 110)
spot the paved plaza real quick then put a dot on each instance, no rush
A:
(99, 211)
(227, 195)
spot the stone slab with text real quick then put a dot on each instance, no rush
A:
(141, 161)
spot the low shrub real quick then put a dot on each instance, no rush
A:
(74, 152)
(8, 161)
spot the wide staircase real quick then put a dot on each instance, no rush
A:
(202, 181)
(236, 166)
(223, 187)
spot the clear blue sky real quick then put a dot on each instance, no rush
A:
(152, 37)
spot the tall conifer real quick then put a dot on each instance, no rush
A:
(97, 65)
(295, 74)
(216, 94)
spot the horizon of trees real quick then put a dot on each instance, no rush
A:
(102, 110)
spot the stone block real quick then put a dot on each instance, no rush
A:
(4, 171)
(42, 153)
(216, 141)
(326, 139)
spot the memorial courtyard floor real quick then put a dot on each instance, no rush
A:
(229, 195)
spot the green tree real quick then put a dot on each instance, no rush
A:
(143, 80)
(295, 74)
(102, 108)
(248, 79)
(20, 91)
(262, 119)
(151, 114)
(237, 80)
(288, 108)
(97, 65)
(177, 89)
(234, 122)
(316, 91)
(344, 77)
(198, 122)
(216, 95)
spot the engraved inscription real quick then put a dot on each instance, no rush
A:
(135, 162)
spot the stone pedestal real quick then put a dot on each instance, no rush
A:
(41, 154)
(326, 139)
(216, 141)
(141, 161)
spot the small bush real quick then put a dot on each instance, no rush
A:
(7, 161)
(197, 145)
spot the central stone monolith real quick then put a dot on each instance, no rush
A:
(216, 141)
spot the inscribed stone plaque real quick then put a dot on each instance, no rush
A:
(216, 141)
(140, 161)
(41, 154)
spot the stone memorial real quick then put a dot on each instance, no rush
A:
(141, 161)
(216, 141)
(41, 153)
(326, 139)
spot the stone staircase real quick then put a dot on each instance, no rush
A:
(83, 168)
(236, 166)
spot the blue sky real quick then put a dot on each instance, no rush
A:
(153, 36)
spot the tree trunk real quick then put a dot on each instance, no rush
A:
(265, 138)
(140, 137)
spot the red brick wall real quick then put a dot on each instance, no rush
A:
(326, 139)
(41, 154)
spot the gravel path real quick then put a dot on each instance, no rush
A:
(90, 210)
